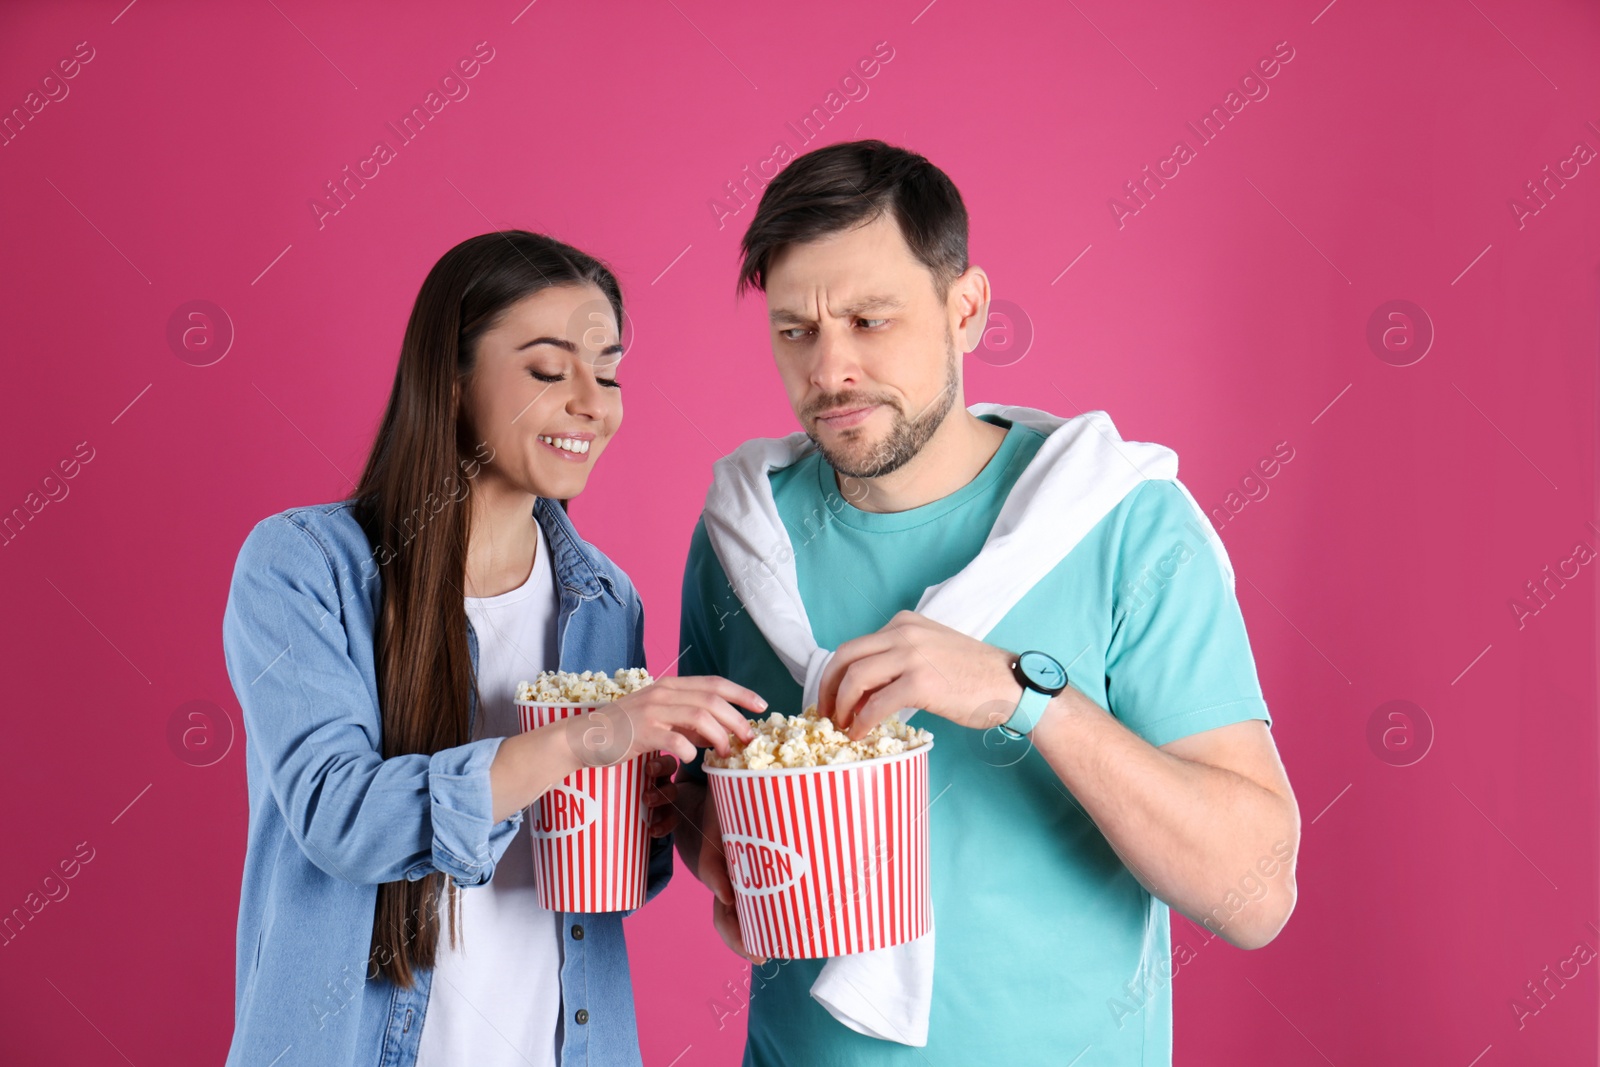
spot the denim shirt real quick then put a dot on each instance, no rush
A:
(330, 818)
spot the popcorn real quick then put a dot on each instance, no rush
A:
(809, 740)
(590, 687)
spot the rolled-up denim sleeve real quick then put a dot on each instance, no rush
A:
(313, 728)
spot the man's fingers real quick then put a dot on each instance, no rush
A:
(864, 676)
(714, 872)
(713, 866)
(725, 917)
(880, 705)
(830, 702)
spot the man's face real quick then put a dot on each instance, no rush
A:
(865, 346)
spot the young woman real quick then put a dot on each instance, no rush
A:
(375, 645)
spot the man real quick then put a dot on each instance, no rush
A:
(1056, 846)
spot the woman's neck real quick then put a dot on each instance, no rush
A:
(504, 537)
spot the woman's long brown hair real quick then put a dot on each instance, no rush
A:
(412, 502)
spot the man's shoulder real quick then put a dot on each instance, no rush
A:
(702, 562)
(1156, 504)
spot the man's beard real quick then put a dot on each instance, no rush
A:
(907, 434)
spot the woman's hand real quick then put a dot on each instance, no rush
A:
(676, 715)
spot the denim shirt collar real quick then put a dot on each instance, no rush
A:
(576, 570)
(580, 576)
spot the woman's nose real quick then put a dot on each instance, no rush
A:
(586, 398)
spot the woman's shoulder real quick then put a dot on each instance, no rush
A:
(306, 533)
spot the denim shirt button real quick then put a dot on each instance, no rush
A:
(581, 1015)
(577, 932)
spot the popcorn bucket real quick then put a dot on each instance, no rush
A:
(591, 844)
(827, 861)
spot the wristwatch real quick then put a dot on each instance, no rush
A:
(1041, 677)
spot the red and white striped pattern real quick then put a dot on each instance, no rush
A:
(827, 861)
(591, 844)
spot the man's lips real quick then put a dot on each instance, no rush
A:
(842, 418)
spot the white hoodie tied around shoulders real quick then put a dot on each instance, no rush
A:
(1082, 471)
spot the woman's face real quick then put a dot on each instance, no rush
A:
(543, 396)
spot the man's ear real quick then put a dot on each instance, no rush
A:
(969, 306)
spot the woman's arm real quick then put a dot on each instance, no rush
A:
(312, 721)
(528, 764)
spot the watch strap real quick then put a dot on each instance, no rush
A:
(1029, 710)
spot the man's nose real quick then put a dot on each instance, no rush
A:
(834, 365)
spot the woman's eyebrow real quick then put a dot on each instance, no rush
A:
(559, 342)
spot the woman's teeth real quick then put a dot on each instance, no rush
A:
(566, 444)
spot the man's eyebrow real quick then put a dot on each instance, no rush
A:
(873, 303)
(865, 304)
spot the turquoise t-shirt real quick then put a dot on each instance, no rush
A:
(1046, 946)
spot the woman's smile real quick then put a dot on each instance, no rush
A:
(573, 447)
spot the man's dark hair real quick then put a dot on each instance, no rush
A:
(850, 184)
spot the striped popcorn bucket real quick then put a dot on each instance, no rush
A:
(590, 839)
(827, 861)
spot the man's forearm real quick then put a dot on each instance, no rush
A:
(1194, 835)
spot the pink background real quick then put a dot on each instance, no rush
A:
(1228, 315)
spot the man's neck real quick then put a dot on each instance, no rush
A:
(953, 456)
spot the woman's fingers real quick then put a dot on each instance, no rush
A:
(678, 745)
(732, 692)
(731, 718)
(700, 726)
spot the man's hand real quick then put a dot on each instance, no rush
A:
(700, 848)
(660, 793)
(914, 662)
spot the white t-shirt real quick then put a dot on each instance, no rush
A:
(496, 996)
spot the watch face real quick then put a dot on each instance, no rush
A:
(1043, 669)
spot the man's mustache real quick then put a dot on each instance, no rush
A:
(836, 401)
